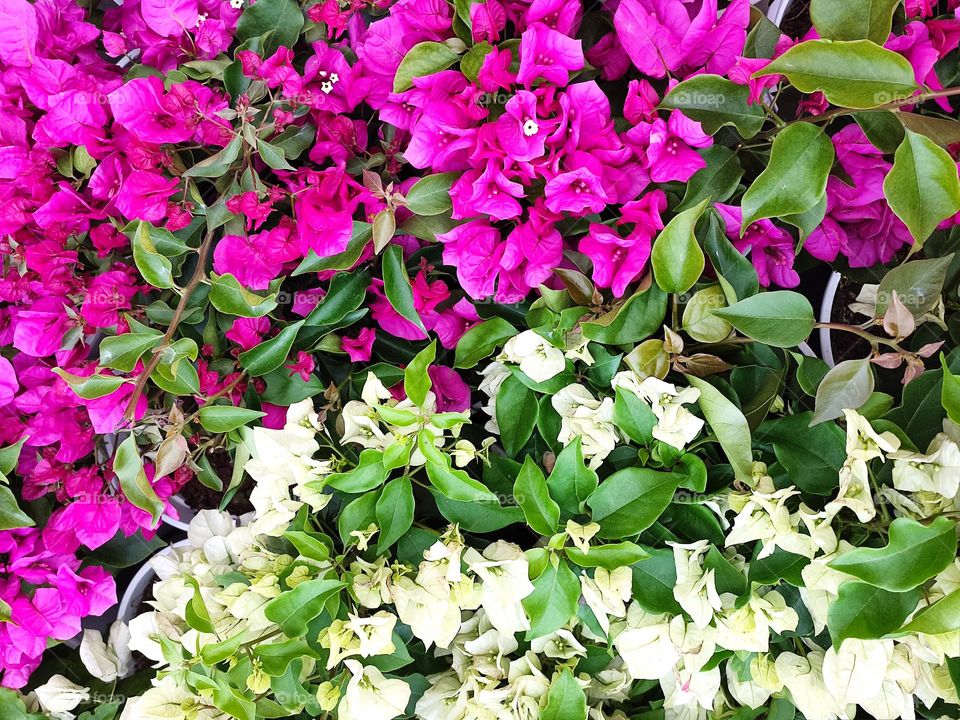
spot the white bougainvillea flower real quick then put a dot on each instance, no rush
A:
(803, 677)
(371, 696)
(937, 471)
(606, 593)
(854, 671)
(695, 589)
(504, 572)
(676, 425)
(538, 359)
(584, 416)
(58, 696)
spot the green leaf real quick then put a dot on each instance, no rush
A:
(416, 378)
(812, 456)
(430, 195)
(532, 495)
(396, 285)
(228, 296)
(847, 386)
(10, 456)
(11, 516)
(369, 473)
(866, 612)
(729, 425)
(571, 482)
(566, 700)
(882, 128)
(780, 318)
(943, 131)
(357, 515)
(453, 484)
(937, 619)
(362, 232)
(270, 354)
(855, 74)
(853, 19)
(736, 270)
(481, 340)
(717, 181)
(517, 411)
(155, 267)
(90, 387)
(281, 18)
(950, 394)
(922, 187)
(425, 58)
(273, 156)
(195, 612)
(654, 580)
(795, 178)
(609, 557)
(553, 601)
(631, 500)
(918, 284)
(315, 546)
(715, 102)
(121, 352)
(779, 565)
(128, 467)
(634, 417)
(219, 164)
(224, 418)
(394, 512)
(913, 555)
(637, 319)
(293, 609)
(676, 256)
(699, 320)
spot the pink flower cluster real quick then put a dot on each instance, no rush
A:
(48, 593)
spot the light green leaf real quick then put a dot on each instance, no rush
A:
(517, 412)
(293, 609)
(396, 285)
(780, 318)
(729, 425)
(609, 557)
(532, 495)
(128, 467)
(121, 352)
(631, 500)
(699, 320)
(11, 516)
(715, 102)
(566, 699)
(571, 481)
(394, 512)
(854, 74)
(866, 612)
(922, 187)
(795, 178)
(918, 284)
(481, 340)
(416, 378)
(676, 256)
(854, 19)
(155, 267)
(913, 555)
(425, 58)
(940, 618)
(847, 386)
(273, 156)
(224, 418)
(228, 296)
(270, 354)
(430, 195)
(553, 601)
(950, 394)
(218, 164)
(90, 387)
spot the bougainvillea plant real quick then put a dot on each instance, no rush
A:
(473, 343)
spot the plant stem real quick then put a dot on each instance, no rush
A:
(198, 275)
(893, 105)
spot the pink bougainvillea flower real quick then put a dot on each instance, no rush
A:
(546, 54)
(139, 107)
(533, 249)
(325, 210)
(609, 56)
(359, 348)
(475, 250)
(670, 152)
(106, 413)
(486, 192)
(170, 18)
(452, 393)
(304, 366)
(771, 248)
(8, 382)
(39, 330)
(248, 332)
(255, 260)
(454, 322)
(18, 43)
(108, 294)
(426, 296)
(143, 195)
(665, 36)
(92, 520)
(578, 192)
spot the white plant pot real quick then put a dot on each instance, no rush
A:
(139, 584)
(778, 11)
(185, 512)
(826, 316)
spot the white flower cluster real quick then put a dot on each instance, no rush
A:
(380, 421)
(284, 459)
(583, 415)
